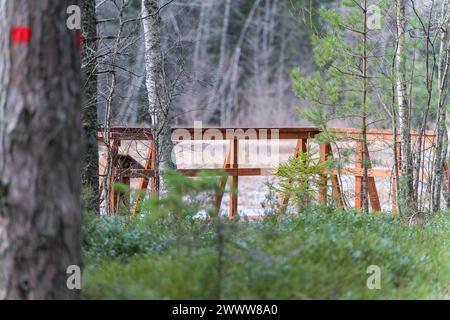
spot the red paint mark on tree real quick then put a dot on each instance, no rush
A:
(21, 34)
(80, 39)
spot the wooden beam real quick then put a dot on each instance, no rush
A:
(146, 180)
(238, 172)
(337, 194)
(219, 134)
(114, 195)
(221, 184)
(234, 180)
(372, 186)
(190, 133)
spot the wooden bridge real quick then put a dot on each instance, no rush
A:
(125, 167)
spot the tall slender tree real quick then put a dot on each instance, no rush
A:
(40, 150)
(442, 92)
(156, 90)
(341, 88)
(90, 123)
(406, 200)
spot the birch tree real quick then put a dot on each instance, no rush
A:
(441, 140)
(40, 150)
(406, 180)
(156, 89)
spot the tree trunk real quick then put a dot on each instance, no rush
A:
(156, 91)
(90, 124)
(40, 148)
(365, 156)
(441, 143)
(406, 184)
(215, 103)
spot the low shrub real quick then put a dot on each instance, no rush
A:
(314, 255)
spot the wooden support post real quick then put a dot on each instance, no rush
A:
(362, 149)
(359, 179)
(221, 184)
(372, 186)
(114, 195)
(323, 179)
(301, 147)
(373, 195)
(337, 194)
(234, 180)
(146, 181)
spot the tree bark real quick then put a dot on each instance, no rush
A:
(40, 148)
(441, 141)
(90, 122)
(406, 183)
(156, 91)
(215, 103)
(365, 69)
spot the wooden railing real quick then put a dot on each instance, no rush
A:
(125, 168)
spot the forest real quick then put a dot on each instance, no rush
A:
(224, 149)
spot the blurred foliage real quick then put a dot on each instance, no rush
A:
(312, 255)
(161, 222)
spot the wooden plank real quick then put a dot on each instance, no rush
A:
(114, 195)
(359, 172)
(149, 165)
(191, 133)
(373, 195)
(337, 194)
(376, 134)
(222, 183)
(218, 134)
(252, 172)
(234, 180)
(362, 149)
(146, 180)
(238, 172)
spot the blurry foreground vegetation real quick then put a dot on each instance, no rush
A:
(316, 254)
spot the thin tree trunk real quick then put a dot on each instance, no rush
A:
(364, 115)
(406, 185)
(220, 72)
(40, 151)
(441, 147)
(158, 107)
(90, 123)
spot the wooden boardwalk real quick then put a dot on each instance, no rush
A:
(124, 167)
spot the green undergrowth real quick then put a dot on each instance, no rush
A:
(318, 254)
